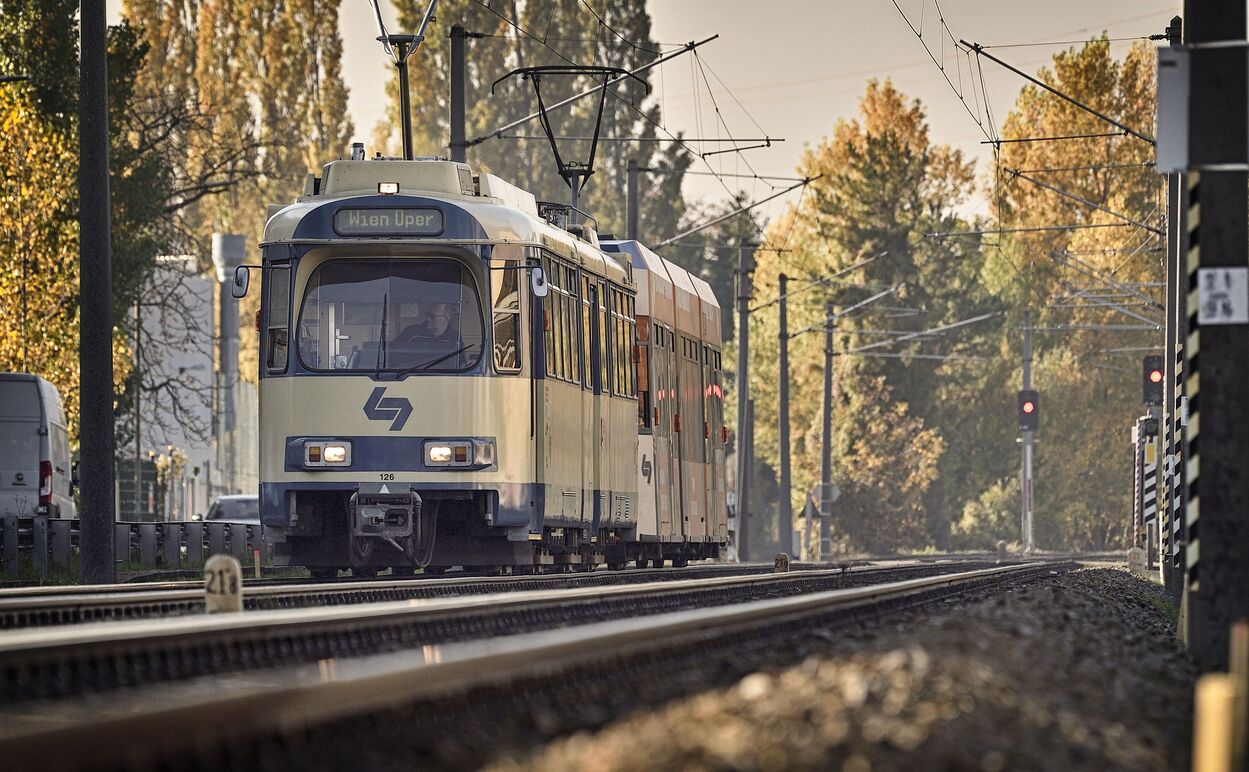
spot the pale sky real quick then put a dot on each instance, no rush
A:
(797, 66)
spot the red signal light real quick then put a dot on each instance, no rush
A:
(1028, 407)
(1155, 376)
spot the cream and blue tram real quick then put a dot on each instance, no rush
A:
(429, 398)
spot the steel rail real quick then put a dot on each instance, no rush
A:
(257, 624)
(50, 606)
(248, 715)
(75, 660)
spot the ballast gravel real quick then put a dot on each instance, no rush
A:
(1077, 671)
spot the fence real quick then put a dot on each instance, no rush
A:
(52, 544)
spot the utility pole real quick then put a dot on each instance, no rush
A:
(1028, 440)
(459, 143)
(229, 251)
(745, 264)
(459, 93)
(95, 325)
(138, 404)
(826, 452)
(1216, 349)
(1170, 516)
(631, 210)
(785, 518)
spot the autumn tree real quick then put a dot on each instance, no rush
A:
(882, 187)
(260, 89)
(36, 39)
(1105, 188)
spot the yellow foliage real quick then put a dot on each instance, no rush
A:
(39, 253)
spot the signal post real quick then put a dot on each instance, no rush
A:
(1029, 418)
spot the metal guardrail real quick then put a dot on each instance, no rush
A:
(52, 544)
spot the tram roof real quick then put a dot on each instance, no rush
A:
(501, 212)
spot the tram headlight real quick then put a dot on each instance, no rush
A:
(459, 453)
(322, 453)
(437, 454)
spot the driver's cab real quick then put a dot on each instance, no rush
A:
(390, 315)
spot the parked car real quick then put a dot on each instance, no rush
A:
(235, 509)
(36, 474)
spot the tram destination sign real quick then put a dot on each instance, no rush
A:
(395, 221)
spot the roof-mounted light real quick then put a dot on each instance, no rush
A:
(388, 188)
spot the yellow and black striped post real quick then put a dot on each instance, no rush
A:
(1192, 384)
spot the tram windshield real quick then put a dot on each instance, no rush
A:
(413, 315)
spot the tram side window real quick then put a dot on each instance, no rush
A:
(506, 351)
(572, 309)
(278, 286)
(561, 320)
(587, 315)
(632, 340)
(548, 318)
(604, 338)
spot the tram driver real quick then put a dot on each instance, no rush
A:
(435, 328)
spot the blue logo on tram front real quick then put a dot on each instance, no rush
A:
(379, 407)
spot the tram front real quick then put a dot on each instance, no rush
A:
(395, 403)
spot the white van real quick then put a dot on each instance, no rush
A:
(35, 474)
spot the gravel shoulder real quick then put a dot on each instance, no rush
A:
(1078, 671)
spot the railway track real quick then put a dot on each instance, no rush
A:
(50, 663)
(22, 608)
(441, 705)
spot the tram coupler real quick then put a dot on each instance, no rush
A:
(380, 512)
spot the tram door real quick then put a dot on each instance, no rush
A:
(662, 411)
(589, 403)
(601, 513)
(708, 443)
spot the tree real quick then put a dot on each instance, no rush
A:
(259, 89)
(39, 254)
(1089, 401)
(882, 186)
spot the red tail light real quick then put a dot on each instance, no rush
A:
(45, 483)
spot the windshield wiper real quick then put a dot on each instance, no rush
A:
(432, 362)
(381, 340)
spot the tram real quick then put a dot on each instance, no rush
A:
(453, 374)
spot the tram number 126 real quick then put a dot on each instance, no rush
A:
(387, 476)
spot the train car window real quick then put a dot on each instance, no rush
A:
(574, 323)
(278, 313)
(634, 377)
(604, 338)
(391, 315)
(643, 369)
(565, 328)
(570, 336)
(587, 314)
(548, 318)
(505, 294)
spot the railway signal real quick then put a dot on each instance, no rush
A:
(1029, 410)
(1152, 379)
